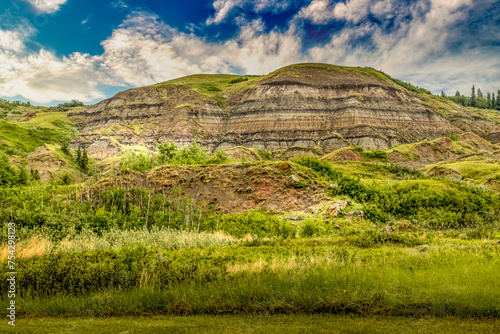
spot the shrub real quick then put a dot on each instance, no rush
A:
(213, 89)
(256, 223)
(323, 168)
(189, 155)
(370, 154)
(311, 228)
(238, 80)
(358, 149)
(376, 154)
(265, 154)
(139, 162)
(65, 180)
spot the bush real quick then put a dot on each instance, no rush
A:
(370, 154)
(323, 168)
(255, 223)
(436, 204)
(213, 89)
(265, 154)
(376, 154)
(189, 155)
(311, 228)
(139, 162)
(238, 80)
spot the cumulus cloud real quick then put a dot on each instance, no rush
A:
(47, 6)
(324, 11)
(41, 76)
(224, 7)
(418, 50)
(144, 50)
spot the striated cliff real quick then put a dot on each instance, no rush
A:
(317, 106)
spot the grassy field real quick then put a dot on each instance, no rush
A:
(296, 323)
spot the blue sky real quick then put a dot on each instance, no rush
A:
(58, 50)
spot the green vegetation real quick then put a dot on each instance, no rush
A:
(189, 155)
(255, 323)
(430, 203)
(12, 176)
(134, 161)
(368, 241)
(21, 140)
(479, 100)
(376, 154)
(291, 276)
(215, 86)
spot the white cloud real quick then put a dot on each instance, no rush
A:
(224, 7)
(11, 41)
(325, 11)
(417, 51)
(42, 77)
(47, 6)
(145, 51)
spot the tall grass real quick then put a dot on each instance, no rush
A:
(441, 281)
(116, 239)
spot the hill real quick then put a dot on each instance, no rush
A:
(304, 106)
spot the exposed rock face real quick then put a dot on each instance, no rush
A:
(307, 105)
(232, 187)
(103, 148)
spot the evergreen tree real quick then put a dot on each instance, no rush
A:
(488, 97)
(457, 94)
(493, 102)
(479, 93)
(85, 160)
(473, 97)
(443, 94)
(35, 175)
(498, 100)
(79, 156)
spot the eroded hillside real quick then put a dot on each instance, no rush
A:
(315, 106)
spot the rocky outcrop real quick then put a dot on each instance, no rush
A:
(307, 106)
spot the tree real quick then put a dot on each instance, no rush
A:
(443, 94)
(167, 150)
(488, 97)
(498, 100)
(79, 156)
(7, 172)
(479, 93)
(85, 161)
(493, 102)
(473, 97)
(22, 173)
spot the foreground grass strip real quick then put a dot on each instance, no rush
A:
(441, 285)
(255, 324)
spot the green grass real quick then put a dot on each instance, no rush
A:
(445, 278)
(475, 168)
(46, 127)
(295, 323)
(214, 86)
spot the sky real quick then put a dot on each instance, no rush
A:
(59, 50)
